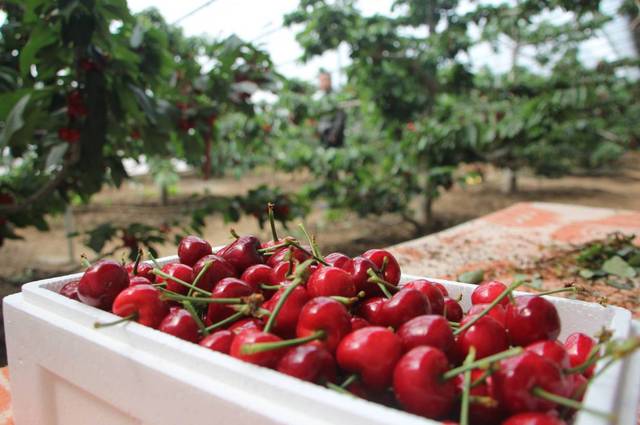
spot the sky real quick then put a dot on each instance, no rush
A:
(261, 20)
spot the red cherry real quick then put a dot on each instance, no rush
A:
(552, 351)
(287, 320)
(324, 314)
(268, 358)
(193, 248)
(371, 352)
(138, 280)
(248, 323)
(218, 341)
(371, 310)
(576, 386)
(338, 259)
(403, 306)
(497, 312)
(418, 383)
(309, 362)
(534, 418)
(531, 318)
(429, 290)
(480, 413)
(101, 283)
(218, 270)
(485, 293)
(144, 270)
(357, 268)
(179, 271)
(358, 323)
(579, 347)
(70, 135)
(261, 274)
(392, 269)
(143, 301)
(516, 378)
(70, 290)
(442, 289)
(242, 253)
(452, 309)
(181, 324)
(432, 330)
(486, 335)
(327, 281)
(282, 255)
(228, 287)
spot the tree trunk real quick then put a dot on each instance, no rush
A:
(510, 185)
(164, 195)
(206, 166)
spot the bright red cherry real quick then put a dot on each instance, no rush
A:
(531, 318)
(309, 362)
(242, 253)
(452, 310)
(143, 301)
(429, 290)
(192, 249)
(218, 341)
(372, 353)
(579, 347)
(358, 323)
(485, 293)
(534, 418)
(327, 315)
(144, 270)
(218, 270)
(418, 383)
(516, 378)
(486, 335)
(282, 255)
(268, 358)
(181, 324)
(358, 268)
(404, 305)
(287, 319)
(497, 312)
(248, 323)
(101, 283)
(261, 274)
(138, 280)
(432, 330)
(228, 287)
(371, 310)
(327, 281)
(70, 290)
(552, 351)
(179, 271)
(576, 386)
(392, 269)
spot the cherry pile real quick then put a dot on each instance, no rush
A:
(347, 324)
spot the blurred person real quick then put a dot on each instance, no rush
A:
(333, 118)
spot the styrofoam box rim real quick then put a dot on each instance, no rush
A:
(223, 376)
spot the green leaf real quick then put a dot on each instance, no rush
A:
(634, 260)
(56, 154)
(586, 273)
(620, 284)
(473, 277)
(14, 121)
(137, 36)
(618, 267)
(41, 37)
(99, 236)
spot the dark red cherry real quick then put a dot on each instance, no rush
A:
(486, 335)
(309, 362)
(287, 319)
(248, 323)
(392, 269)
(552, 351)
(432, 330)
(485, 293)
(482, 413)
(218, 341)
(429, 290)
(327, 281)
(192, 249)
(268, 358)
(101, 283)
(358, 323)
(179, 271)
(371, 311)
(144, 270)
(242, 253)
(534, 418)
(327, 315)
(181, 324)
(138, 280)
(218, 270)
(531, 318)
(143, 301)
(228, 287)
(70, 290)
(404, 305)
(497, 312)
(452, 310)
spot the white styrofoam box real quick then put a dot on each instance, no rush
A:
(65, 372)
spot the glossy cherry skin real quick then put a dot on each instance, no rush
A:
(327, 281)
(372, 353)
(442, 289)
(531, 318)
(429, 290)
(576, 386)
(287, 320)
(552, 351)
(268, 358)
(452, 310)
(218, 270)
(101, 283)
(479, 413)
(358, 323)
(485, 293)
(418, 383)
(534, 418)
(282, 255)
(248, 323)
(324, 314)
(432, 330)
(310, 362)
(242, 253)
(144, 301)
(261, 274)
(181, 324)
(371, 311)
(486, 335)
(228, 287)
(70, 290)
(358, 268)
(392, 270)
(497, 312)
(579, 347)
(192, 248)
(516, 378)
(144, 270)
(138, 280)
(179, 271)
(218, 341)
(403, 306)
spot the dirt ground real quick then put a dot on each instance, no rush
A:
(45, 253)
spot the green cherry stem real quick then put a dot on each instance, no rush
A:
(339, 389)
(85, 261)
(137, 262)
(306, 251)
(349, 300)
(153, 260)
(483, 363)
(189, 307)
(166, 276)
(572, 289)
(223, 322)
(199, 276)
(260, 347)
(374, 278)
(486, 311)
(272, 221)
(315, 249)
(567, 402)
(466, 388)
(350, 380)
(384, 290)
(202, 300)
(270, 287)
(128, 318)
(297, 281)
